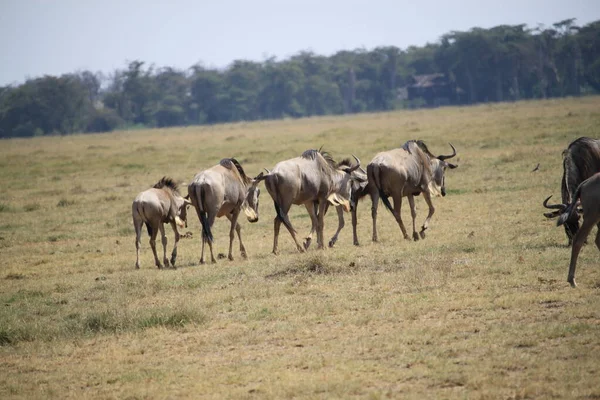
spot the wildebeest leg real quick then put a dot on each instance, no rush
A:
(153, 244)
(137, 224)
(340, 214)
(354, 223)
(427, 198)
(311, 207)
(397, 213)
(163, 239)
(276, 226)
(238, 229)
(578, 241)
(374, 205)
(211, 220)
(413, 214)
(177, 236)
(290, 229)
(234, 225)
(598, 237)
(204, 239)
(321, 225)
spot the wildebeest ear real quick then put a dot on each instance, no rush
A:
(259, 177)
(359, 179)
(451, 166)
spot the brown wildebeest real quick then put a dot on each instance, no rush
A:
(581, 160)
(588, 194)
(312, 180)
(154, 207)
(407, 171)
(224, 190)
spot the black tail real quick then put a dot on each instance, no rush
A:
(282, 217)
(385, 200)
(568, 213)
(149, 228)
(203, 218)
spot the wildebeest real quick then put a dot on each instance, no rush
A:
(312, 180)
(407, 171)
(360, 188)
(224, 189)
(154, 207)
(581, 160)
(588, 194)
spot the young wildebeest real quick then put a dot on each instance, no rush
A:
(312, 179)
(407, 171)
(588, 194)
(224, 190)
(360, 188)
(154, 207)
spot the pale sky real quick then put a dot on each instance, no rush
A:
(39, 37)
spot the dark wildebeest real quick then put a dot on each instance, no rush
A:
(360, 188)
(154, 207)
(588, 194)
(581, 160)
(407, 171)
(312, 180)
(224, 190)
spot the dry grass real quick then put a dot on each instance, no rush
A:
(479, 309)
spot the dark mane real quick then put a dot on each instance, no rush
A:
(167, 182)
(421, 144)
(229, 163)
(312, 155)
(346, 162)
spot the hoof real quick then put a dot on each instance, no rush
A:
(415, 236)
(572, 282)
(331, 243)
(307, 243)
(356, 243)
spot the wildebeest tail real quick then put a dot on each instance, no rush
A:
(374, 175)
(385, 200)
(273, 187)
(148, 228)
(571, 208)
(203, 217)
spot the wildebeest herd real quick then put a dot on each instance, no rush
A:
(316, 181)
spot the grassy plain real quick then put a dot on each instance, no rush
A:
(479, 309)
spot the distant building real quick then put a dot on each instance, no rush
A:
(431, 90)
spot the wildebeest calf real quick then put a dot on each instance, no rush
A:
(154, 207)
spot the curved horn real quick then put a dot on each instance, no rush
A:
(553, 206)
(559, 208)
(354, 167)
(450, 156)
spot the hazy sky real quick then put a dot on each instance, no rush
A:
(39, 37)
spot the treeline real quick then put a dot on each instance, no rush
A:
(507, 62)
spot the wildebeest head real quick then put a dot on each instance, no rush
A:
(250, 205)
(349, 183)
(182, 203)
(358, 181)
(438, 169)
